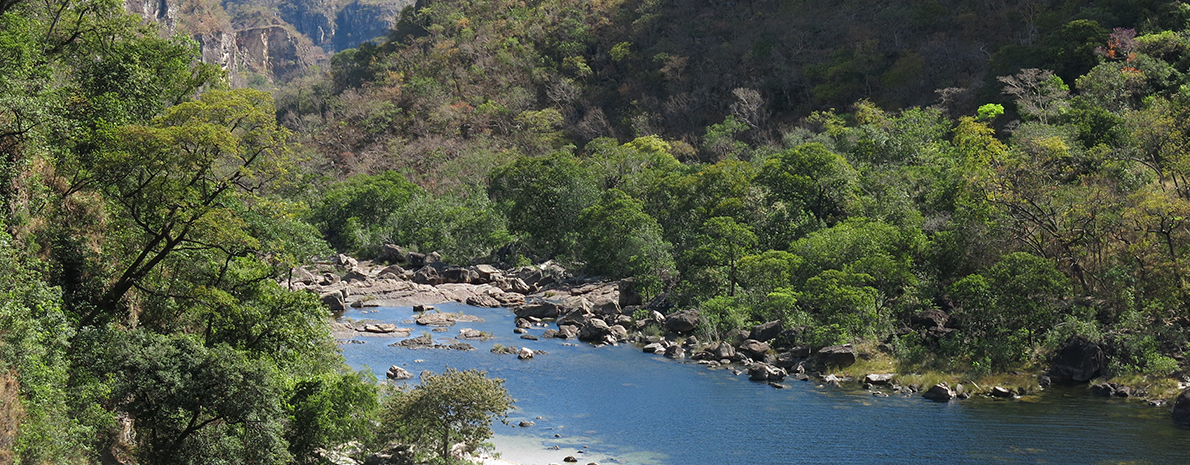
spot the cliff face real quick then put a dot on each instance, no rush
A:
(276, 41)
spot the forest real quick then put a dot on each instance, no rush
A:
(1021, 166)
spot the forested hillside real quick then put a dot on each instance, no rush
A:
(846, 169)
(1013, 171)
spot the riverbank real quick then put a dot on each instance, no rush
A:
(600, 313)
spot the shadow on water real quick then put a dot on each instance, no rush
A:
(626, 406)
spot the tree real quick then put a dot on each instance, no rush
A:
(619, 240)
(179, 184)
(811, 178)
(719, 248)
(543, 198)
(444, 410)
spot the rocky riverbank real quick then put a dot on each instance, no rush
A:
(609, 312)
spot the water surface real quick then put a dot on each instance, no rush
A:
(619, 405)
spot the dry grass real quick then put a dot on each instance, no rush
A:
(1154, 388)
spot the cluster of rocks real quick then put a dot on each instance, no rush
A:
(344, 282)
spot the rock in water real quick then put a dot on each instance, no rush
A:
(525, 353)
(941, 392)
(396, 372)
(1181, 408)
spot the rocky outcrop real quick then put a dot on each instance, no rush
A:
(1181, 408)
(1079, 360)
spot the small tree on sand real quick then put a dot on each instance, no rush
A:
(447, 409)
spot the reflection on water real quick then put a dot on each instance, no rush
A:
(619, 405)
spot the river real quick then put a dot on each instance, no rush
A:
(620, 405)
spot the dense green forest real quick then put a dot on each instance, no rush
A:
(1019, 165)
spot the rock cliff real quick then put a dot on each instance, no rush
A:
(270, 41)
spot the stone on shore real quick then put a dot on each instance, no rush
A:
(682, 322)
(1079, 360)
(941, 392)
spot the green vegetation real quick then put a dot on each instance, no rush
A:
(455, 407)
(770, 161)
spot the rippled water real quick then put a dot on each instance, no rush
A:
(619, 405)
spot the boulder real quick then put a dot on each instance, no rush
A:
(941, 392)
(391, 272)
(525, 353)
(1181, 408)
(483, 300)
(436, 319)
(381, 328)
(606, 306)
(355, 274)
(468, 333)
(304, 276)
(675, 352)
(594, 330)
(416, 260)
(932, 318)
(392, 254)
(765, 372)
(1000, 392)
(786, 360)
(766, 332)
(423, 308)
(507, 299)
(754, 349)
(456, 275)
(427, 275)
(549, 333)
(836, 356)
(526, 424)
(1079, 360)
(542, 309)
(486, 273)
(683, 321)
(878, 378)
(1103, 389)
(725, 352)
(567, 332)
(654, 347)
(516, 285)
(334, 301)
(344, 262)
(629, 293)
(618, 332)
(576, 318)
(396, 372)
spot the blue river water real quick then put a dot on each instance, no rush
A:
(620, 405)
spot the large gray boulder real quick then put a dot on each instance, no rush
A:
(392, 254)
(836, 356)
(456, 275)
(594, 330)
(765, 372)
(766, 332)
(941, 392)
(485, 273)
(682, 322)
(725, 352)
(541, 309)
(1181, 408)
(1079, 360)
(427, 275)
(334, 301)
(754, 349)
